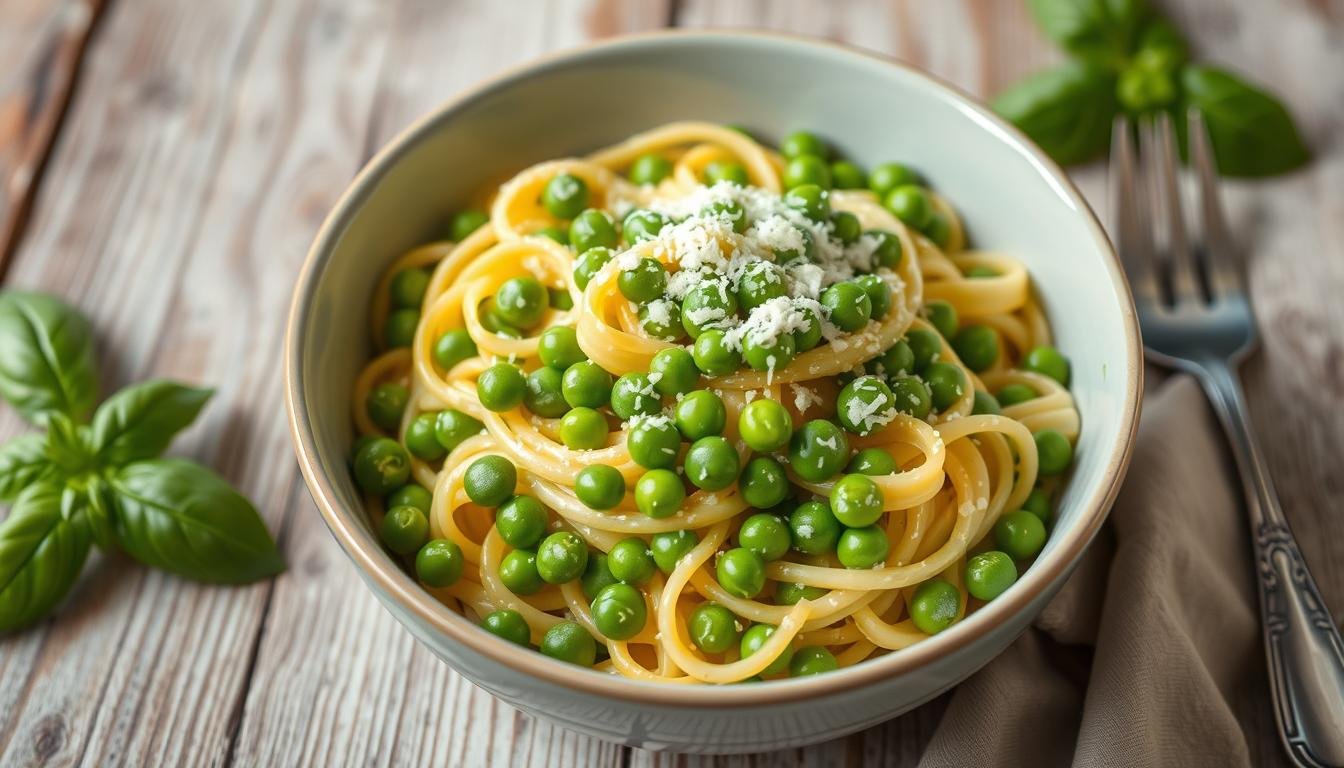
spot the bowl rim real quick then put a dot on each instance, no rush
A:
(397, 585)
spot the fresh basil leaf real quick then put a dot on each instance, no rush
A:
(46, 357)
(1067, 110)
(1162, 42)
(68, 446)
(181, 517)
(86, 504)
(23, 461)
(41, 555)
(1251, 132)
(140, 421)
(1102, 32)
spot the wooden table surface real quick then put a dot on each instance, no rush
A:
(165, 165)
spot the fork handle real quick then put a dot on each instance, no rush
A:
(1305, 653)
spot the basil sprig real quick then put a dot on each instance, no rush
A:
(101, 481)
(1127, 58)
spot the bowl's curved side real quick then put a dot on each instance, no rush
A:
(1012, 195)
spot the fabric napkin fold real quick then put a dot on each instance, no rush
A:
(1150, 655)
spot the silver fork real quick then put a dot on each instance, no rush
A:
(1196, 317)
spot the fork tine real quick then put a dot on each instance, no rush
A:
(1160, 157)
(1133, 235)
(1221, 265)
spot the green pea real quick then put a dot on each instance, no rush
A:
(1053, 452)
(631, 561)
(708, 305)
(713, 356)
(775, 357)
(521, 522)
(765, 535)
(593, 229)
(731, 172)
(565, 195)
(809, 336)
(661, 319)
(856, 501)
(569, 641)
(864, 404)
(619, 611)
(452, 427)
(713, 628)
(700, 414)
(911, 396)
(1037, 503)
(939, 229)
(730, 211)
(801, 143)
(653, 443)
(1012, 394)
(544, 396)
(889, 176)
(596, 576)
(404, 530)
(640, 225)
(586, 384)
(847, 305)
(788, 593)
(812, 200)
(649, 168)
(494, 323)
(910, 204)
(599, 486)
(359, 444)
(873, 462)
(501, 387)
(763, 482)
(633, 394)
(1048, 361)
(760, 282)
(806, 252)
(977, 346)
(814, 528)
(807, 169)
(899, 359)
(847, 175)
(711, 463)
(381, 466)
(741, 572)
(521, 301)
(755, 637)
(985, 403)
(588, 265)
(508, 624)
(560, 298)
(439, 563)
(1021, 534)
(407, 288)
(670, 546)
(879, 294)
(561, 557)
(490, 480)
(558, 347)
(812, 660)
(399, 331)
(673, 371)
(981, 272)
(888, 251)
(558, 234)
(385, 404)
(644, 282)
(765, 425)
(413, 495)
(947, 383)
(989, 574)
(943, 316)
(518, 572)
(935, 606)
(864, 547)
(420, 439)
(466, 222)
(583, 429)
(659, 493)
(926, 346)
(818, 450)
(453, 347)
(846, 227)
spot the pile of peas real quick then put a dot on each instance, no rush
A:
(685, 449)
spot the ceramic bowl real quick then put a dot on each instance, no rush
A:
(1011, 196)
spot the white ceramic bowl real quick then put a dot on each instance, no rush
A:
(1011, 196)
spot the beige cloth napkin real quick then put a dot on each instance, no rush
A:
(1150, 655)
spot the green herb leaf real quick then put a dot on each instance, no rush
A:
(41, 554)
(68, 446)
(1102, 32)
(46, 357)
(23, 461)
(181, 517)
(1067, 111)
(90, 504)
(140, 421)
(1251, 132)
